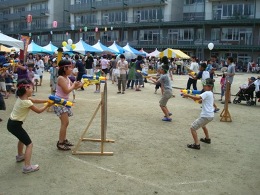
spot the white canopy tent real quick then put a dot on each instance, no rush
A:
(6, 40)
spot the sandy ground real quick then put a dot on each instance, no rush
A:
(150, 156)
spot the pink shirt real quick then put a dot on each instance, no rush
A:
(60, 93)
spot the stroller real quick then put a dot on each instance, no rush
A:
(246, 94)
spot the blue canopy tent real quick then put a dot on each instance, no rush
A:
(34, 48)
(50, 47)
(83, 48)
(132, 50)
(103, 48)
(117, 48)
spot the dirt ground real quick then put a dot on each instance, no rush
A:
(150, 156)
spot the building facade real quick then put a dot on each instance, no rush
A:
(232, 25)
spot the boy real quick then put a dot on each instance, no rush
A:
(206, 116)
(167, 91)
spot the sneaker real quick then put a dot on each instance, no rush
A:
(68, 143)
(220, 100)
(166, 119)
(19, 158)
(73, 101)
(138, 90)
(31, 168)
(123, 92)
(194, 146)
(216, 110)
(205, 140)
(169, 114)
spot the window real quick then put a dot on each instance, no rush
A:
(186, 34)
(39, 6)
(215, 34)
(144, 15)
(235, 11)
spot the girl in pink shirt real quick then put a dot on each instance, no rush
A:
(63, 89)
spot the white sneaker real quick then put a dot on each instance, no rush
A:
(19, 158)
(31, 168)
(73, 101)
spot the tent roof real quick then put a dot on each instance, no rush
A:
(4, 48)
(6, 40)
(82, 47)
(173, 53)
(50, 47)
(34, 48)
(132, 50)
(154, 53)
(102, 47)
(117, 48)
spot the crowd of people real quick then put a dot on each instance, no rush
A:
(21, 76)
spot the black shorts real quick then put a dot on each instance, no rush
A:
(105, 70)
(15, 127)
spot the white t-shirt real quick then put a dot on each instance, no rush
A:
(257, 84)
(194, 66)
(207, 104)
(21, 109)
(40, 64)
(205, 75)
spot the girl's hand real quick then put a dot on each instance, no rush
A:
(77, 84)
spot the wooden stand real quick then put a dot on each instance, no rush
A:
(225, 115)
(102, 140)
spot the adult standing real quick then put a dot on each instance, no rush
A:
(122, 65)
(194, 67)
(105, 64)
(139, 64)
(230, 75)
(81, 69)
(89, 61)
(39, 65)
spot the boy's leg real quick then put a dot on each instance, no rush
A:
(195, 136)
(206, 132)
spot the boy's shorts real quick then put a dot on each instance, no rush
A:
(201, 122)
(165, 97)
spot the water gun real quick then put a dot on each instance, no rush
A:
(188, 91)
(143, 73)
(11, 63)
(59, 101)
(91, 80)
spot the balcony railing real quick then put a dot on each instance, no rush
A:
(108, 5)
(19, 2)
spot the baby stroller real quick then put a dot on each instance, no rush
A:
(246, 94)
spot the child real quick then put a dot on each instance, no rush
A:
(63, 89)
(167, 91)
(20, 111)
(222, 83)
(31, 75)
(98, 72)
(207, 114)
(72, 78)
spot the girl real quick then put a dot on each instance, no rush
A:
(63, 89)
(20, 111)
(167, 91)
(98, 73)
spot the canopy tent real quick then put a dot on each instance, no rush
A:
(6, 40)
(154, 53)
(128, 56)
(83, 48)
(102, 47)
(4, 48)
(142, 50)
(50, 47)
(173, 53)
(132, 50)
(34, 48)
(116, 48)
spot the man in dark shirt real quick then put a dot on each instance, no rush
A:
(89, 64)
(2, 58)
(79, 65)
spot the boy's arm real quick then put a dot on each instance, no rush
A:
(195, 98)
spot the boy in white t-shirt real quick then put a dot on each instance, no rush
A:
(206, 115)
